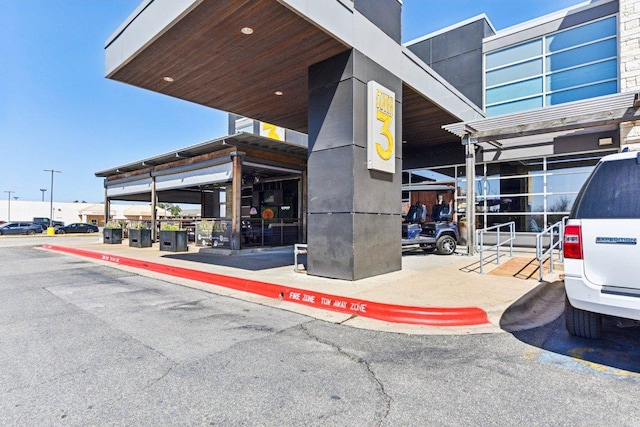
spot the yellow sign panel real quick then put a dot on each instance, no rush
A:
(381, 131)
(271, 131)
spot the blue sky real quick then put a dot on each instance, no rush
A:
(57, 111)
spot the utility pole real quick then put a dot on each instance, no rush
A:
(9, 204)
(51, 195)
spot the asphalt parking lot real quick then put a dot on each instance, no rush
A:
(89, 344)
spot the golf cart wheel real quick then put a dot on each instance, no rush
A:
(446, 245)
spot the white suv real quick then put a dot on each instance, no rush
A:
(602, 255)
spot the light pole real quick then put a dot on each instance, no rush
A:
(9, 204)
(43, 190)
(51, 195)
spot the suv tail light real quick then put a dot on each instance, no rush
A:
(573, 242)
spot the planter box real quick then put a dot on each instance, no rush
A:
(139, 238)
(112, 236)
(173, 241)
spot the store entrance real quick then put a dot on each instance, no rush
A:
(270, 213)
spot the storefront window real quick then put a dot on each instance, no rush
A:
(432, 176)
(406, 178)
(567, 180)
(561, 203)
(534, 193)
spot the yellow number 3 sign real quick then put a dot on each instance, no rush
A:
(381, 122)
(385, 153)
(272, 131)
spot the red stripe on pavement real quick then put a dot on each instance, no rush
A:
(431, 316)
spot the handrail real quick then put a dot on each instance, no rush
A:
(480, 239)
(553, 244)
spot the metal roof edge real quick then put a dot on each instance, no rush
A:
(450, 28)
(547, 18)
(227, 140)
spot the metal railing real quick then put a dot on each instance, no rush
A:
(555, 242)
(254, 232)
(480, 241)
(260, 232)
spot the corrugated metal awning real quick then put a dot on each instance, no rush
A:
(604, 110)
(210, 175)
(140, 186)
(240, 140)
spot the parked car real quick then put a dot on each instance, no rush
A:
(24, 227)
(45, 222)
(77, 227)
(601, 248)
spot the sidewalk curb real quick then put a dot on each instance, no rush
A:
(427, 316)
(536, 308)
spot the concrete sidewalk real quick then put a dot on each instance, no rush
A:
(431, 294)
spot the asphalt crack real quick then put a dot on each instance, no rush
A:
(384, 413)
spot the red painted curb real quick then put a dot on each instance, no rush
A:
(430, 316)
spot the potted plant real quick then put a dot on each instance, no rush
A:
(139, 235)
(172, 238)
(112, 233)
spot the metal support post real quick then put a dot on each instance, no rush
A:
(470, 163)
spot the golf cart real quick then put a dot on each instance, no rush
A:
(431, 232)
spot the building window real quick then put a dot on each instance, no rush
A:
(578, 63)
(534, 193)
(244, 125)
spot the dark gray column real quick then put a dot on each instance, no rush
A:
(354, 221)
(302, 206)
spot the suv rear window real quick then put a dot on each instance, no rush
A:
(613, 191)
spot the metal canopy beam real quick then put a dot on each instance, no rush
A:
(606, 110)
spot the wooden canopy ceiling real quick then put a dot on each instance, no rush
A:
(213, 63)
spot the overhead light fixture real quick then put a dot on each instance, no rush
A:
(168, 79)
(605, 141)
(247, 30)
(279, 93)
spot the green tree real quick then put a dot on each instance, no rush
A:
(174, 210)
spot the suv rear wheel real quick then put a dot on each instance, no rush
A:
(582, 323)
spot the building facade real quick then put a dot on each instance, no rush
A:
(586, 52)
(505, 125)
